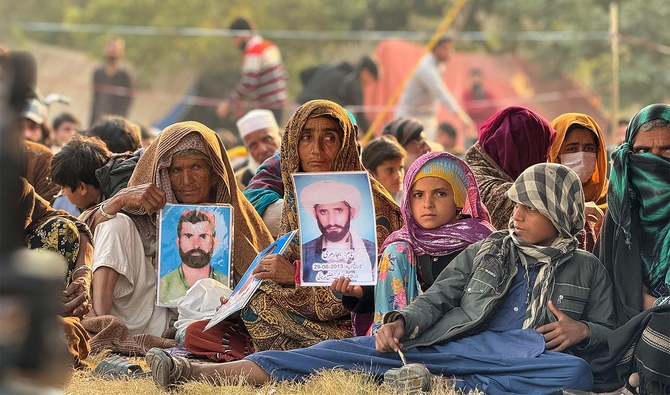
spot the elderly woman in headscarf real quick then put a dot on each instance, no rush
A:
(509, 142)
(319, 137)
(187, 164)
(409, 133)
(634, 246)
(514, 313)
(580, 145)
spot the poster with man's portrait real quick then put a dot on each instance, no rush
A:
(337, 228)
(194, 242)
(248, 284)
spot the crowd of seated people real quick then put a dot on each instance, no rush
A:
(525, 267)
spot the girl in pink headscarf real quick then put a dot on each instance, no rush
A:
(443, 215)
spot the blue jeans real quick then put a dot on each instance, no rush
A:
(493, 362)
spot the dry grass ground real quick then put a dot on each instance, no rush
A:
(325, 383)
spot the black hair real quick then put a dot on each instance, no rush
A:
(118, 133)
(380, 150)
(78, 160)
(194, 217)
(443, 39)
(448, 128)
(367, 62)
(241, 24)
(65, 117)
(144, 132)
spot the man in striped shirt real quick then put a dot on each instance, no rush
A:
(263, 82)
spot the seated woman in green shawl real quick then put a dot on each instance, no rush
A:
(634, 246)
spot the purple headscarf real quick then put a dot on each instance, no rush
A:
(516, 138)
(447, 238)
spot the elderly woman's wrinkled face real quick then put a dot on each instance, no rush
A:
(191, 180)
(655, 141)
(319, 143)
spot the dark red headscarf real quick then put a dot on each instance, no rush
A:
(516, 138)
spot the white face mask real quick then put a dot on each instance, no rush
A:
(583, 163)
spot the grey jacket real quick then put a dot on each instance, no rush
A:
(463, 298)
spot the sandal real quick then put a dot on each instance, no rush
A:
(167, 370)
(116, 367)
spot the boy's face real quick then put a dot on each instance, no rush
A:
(83, 197)
(390, 174)
(533, 227)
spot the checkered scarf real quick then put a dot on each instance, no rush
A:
(556, 192)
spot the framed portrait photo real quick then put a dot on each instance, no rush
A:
(194, 242)
(337, 228)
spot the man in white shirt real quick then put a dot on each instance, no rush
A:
(426, 90)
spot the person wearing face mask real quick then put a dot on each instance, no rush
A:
(580, 145)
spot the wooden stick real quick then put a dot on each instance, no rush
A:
(402, 356)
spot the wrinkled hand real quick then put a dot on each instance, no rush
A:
(388, 336)
(342, 286)
(276, 268)
(647, 300)
(147, 196)
(76, 298)
(563, 333)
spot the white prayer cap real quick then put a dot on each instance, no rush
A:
(256, 120)
(329, 192)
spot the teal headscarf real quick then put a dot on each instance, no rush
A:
(640, 183)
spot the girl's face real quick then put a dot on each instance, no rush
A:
(533, 227)
(432, 202)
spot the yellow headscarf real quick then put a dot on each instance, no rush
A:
(595, 189)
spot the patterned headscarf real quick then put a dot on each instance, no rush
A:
(322, 308)
(387, 213)
(447, 238)
(516, 138)
(640, 186)
(556, 192)
(251, 235)
(595, 189)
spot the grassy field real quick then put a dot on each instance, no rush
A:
(336, 382)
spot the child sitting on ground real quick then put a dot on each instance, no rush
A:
(497, 319)
(443, 215)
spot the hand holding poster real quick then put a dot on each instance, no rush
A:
(337, 228)
(248, 284)
(194, 242)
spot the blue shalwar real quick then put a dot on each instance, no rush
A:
(503, 359)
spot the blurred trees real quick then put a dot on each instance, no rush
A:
(644, 75)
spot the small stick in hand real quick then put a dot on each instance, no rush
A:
(402, 357)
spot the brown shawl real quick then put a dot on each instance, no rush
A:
(493, 184)
(37, 170)
(270, 316)
(387, 212)
(251, 236)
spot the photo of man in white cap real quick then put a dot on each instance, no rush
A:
(260, 134)
(339, 250)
